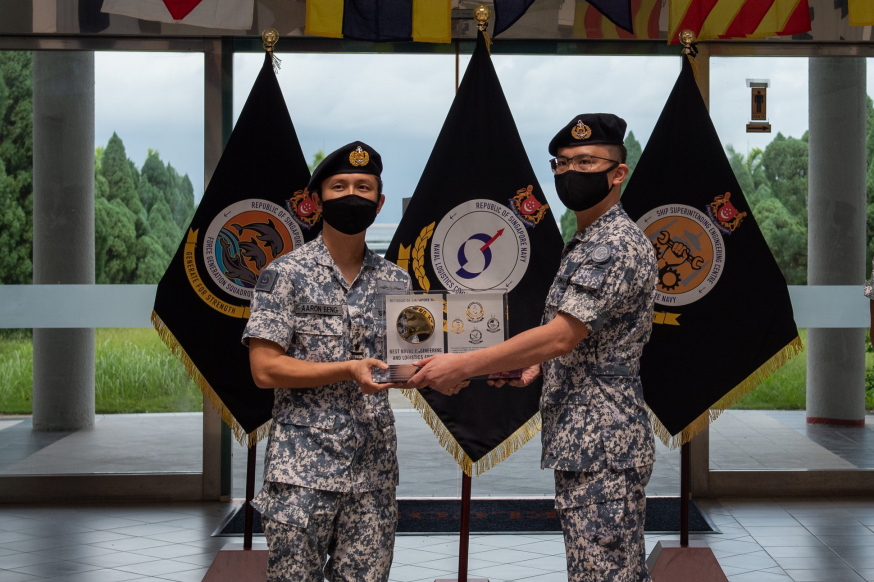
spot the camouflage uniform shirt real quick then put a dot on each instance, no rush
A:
(331, 437)
(594, 417)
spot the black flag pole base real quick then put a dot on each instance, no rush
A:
(247, 561)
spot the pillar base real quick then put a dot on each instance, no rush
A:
(234, 564)
(835, 421)
(671, 562)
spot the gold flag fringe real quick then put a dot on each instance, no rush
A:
(244, 438)
(473, 469)
(751, 382)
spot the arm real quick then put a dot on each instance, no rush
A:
(537, 345)
(271, 368)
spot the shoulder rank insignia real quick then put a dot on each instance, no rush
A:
(601, 254)
(266, 281)
(359, 158)
(581, 131)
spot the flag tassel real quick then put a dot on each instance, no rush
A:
(244, 438)
(752, 381)
(473, 469)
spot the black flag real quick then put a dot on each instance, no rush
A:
(723, 319)
(254, 210)
(479, 188)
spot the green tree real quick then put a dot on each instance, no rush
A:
(152, 261)
(317, 159)
(122, 176)
(784, 165)
(787, 238)
(114, 241)
(16, 167)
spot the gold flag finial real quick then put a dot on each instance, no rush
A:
(690, 49)
(482, 14)
(270, 37)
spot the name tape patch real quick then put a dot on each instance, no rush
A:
(318, 309)
(384, 287)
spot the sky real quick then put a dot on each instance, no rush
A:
(397, 103)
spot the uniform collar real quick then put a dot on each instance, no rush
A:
(600, 223)
(324, 258)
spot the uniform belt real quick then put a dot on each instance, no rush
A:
(610, 369)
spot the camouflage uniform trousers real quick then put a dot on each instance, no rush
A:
(602, 516)
(343, 537)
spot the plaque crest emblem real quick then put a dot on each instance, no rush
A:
(493, 325)
(457, 326)
(724, 214)
(581, 131)
(475, 312)
(359, 158)
(303, 209)
(527, 207)
(476, 337)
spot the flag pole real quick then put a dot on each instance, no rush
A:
(250, 495)
(685, 491)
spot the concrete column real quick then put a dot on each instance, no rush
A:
(836, 232)
(63, 231)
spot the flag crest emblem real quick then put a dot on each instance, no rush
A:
(303, 209)
(724, 213)
(527, 207)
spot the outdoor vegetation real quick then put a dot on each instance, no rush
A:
(141, 213)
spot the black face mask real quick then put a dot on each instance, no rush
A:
(350, 214)
(583, 190)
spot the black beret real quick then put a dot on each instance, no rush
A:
(353, 158)
(589, 129)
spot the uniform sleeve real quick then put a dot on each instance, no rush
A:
(595, 291)
(272, 311)
(869, 284)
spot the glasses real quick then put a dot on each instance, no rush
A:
(582, 163)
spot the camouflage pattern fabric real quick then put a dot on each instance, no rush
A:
(594, 417)
(303, 526)
(602, 516)
(332, 437)
(869, 284)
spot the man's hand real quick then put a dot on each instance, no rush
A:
(529, 374)
(362, 373)
(442, 373)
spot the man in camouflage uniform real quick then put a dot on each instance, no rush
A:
(328, 503)
(598, 316)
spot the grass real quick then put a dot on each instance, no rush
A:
(134, 372)
(786, 388)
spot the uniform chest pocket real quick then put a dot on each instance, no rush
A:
(323, 325)
(589, 277)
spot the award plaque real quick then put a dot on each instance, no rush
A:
(415, 329)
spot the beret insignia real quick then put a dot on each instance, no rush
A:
(358, 157)
(581, 131)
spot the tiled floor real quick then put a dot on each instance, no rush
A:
(811, 540)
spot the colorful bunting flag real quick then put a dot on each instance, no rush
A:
(589, 22)
(224, 14)
(709, 19)
(381, 20)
